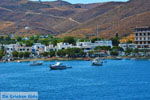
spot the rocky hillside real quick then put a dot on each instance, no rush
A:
(23, 17)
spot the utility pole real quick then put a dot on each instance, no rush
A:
(40, 1)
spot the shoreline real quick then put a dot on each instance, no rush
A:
(84, 59)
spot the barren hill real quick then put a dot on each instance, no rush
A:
(23, 17)
(122, 19)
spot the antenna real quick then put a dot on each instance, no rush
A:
(40, 1)
(97, 30)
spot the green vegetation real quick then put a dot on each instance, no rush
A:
(103, 48)
(2, 53)
(21, 54)
(70, 40)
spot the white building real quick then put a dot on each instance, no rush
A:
(103, 43)
(128, 45)
(23, 49)
(11, 48)
(63, 46)
(142, 37)
(38, 48)
(86, 46)
(50, 48)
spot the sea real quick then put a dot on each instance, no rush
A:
(115, 80)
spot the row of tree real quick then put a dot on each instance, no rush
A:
(21, 54)
(70, 52)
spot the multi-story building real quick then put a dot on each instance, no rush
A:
(38, 48)
(142, 37)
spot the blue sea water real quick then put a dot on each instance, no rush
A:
(115, 80)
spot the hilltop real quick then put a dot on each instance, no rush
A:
(23, 17)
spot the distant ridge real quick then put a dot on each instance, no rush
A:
(65, 19)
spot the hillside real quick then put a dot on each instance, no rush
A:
(122, 19)
(23, 17)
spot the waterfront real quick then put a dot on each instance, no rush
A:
(117, 79)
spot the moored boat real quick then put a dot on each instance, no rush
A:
(35, 63)
(97, 62)
(58, 66)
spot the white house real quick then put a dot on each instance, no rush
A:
(38, 48)
(63, 46)
(86, 46)
(50, 48)
(128, 45)
(103, 43)
(11, 48)
(23, 49)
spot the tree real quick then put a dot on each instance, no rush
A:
(52, 53)
(116, 48)
(45, 42)
(61, 53)
(115, 41)
(103, 48)
(128, 51)
(21, 54)
(75, 52)
(55, 41)
(136, 50)
(18, 38)
(1, 54)
(69, 40)
(95, 39)
(45, 54)
(29, 43)
(114, 53)
(27, 54)
(15, 54)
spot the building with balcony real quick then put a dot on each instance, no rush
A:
(142, 37)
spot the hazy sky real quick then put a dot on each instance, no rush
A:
(84, 1)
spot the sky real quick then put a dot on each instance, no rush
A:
(85, 1)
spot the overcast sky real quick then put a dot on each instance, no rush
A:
(84, 1)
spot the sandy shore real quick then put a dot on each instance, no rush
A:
(86, 59)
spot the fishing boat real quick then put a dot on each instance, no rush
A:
(58, 66)
(35, 63)
(97, 62)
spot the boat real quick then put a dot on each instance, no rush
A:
(118, 58)
(35, 63)
(58, 66)
(18, 61)
(97, 62)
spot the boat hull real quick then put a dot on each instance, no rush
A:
(58, 67)
(95, 64)
(39, 64)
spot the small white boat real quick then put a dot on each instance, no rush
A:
(58, 66)
(97, 62)
(18, 61)
(35, 63)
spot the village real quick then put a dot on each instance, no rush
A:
(47, 46)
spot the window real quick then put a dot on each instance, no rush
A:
(140, 34)
(140, 38)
